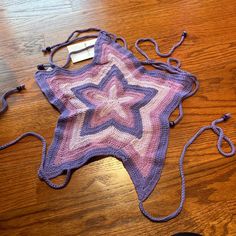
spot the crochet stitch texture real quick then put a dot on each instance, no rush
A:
(112, 106)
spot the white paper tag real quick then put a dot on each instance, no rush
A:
(84, 55)
(49, 69)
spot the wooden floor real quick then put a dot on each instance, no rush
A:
(100, 198)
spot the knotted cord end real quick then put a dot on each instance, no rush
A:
(20, 87)
(226, 116)
(184, 34)
(40, 67)
(46, 50)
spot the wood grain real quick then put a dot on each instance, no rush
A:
(100, 198)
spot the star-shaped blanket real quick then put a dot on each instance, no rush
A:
(112, 106)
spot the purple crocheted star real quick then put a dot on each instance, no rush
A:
(113, 102)
(112, 106)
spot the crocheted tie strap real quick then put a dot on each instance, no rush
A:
(44, 152)
(221, 136)
(180, 107)
(153, 41)
(7, 94)
(38, 136)
(174, 69)
(73, 38)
